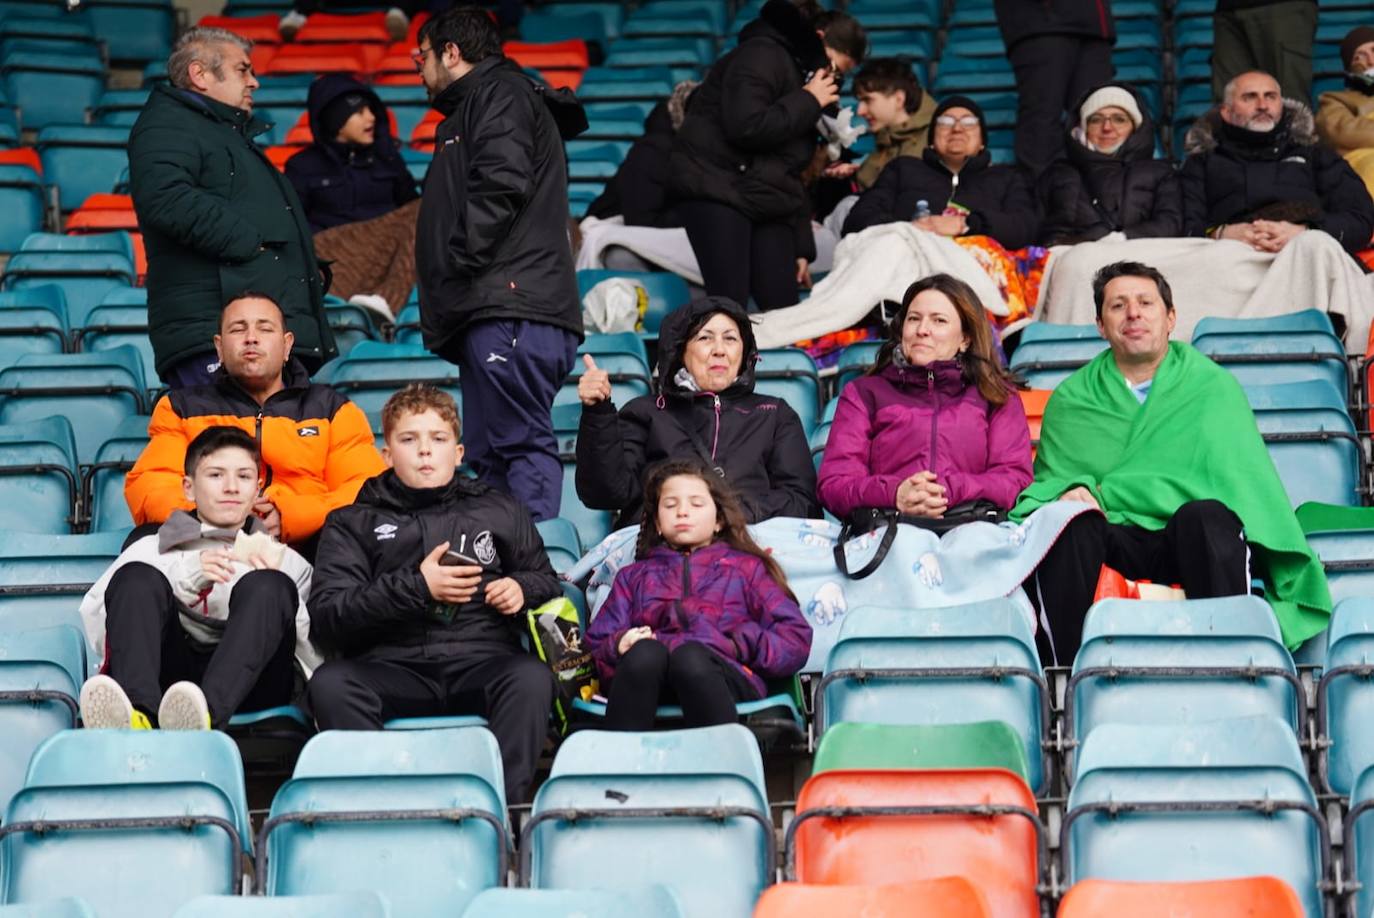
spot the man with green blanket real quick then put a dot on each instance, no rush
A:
(1163, 442)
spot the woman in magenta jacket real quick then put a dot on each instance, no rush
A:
(936, 422)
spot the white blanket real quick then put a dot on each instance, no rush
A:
(871, 266)
(1220, 278)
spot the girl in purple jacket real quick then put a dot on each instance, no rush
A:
(703, 616)
(936, 422)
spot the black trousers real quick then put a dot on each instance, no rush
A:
(512, 689)
(251, 667)
(1052, 72)
(1276, 38)
(696, 677)
(739, 258)
(1201, 548)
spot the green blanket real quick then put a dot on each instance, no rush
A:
(1193, 439)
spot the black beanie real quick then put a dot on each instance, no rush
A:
(958, 102)
(1353, 39)
(337, 113)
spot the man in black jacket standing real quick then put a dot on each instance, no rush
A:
(498, 294)
(419, 589)
(1059, 50)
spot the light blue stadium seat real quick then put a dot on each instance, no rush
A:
(855, 360)
(106, 508)
(790, 374)
(561, 542)
(85, 277)
(43, 577)
(713, 13)
(651, 52)
(1316, 451)
(567, 419)
(350, 323)
(1359, 841)
(819, 437)
(39, 470)
(602, 84)
(41, 672)
(1045, 364)
(1348, 557)
(1313, 394)
(190, 782)
(907, 44)
(52, 908)
(82, 159)
(608, 792)
(133, 30)
(592, 525)
(52, 88)
(22, 203)
(95, 391)
(1251, 767)
(960, 73)
(372, 371)
(596, 22)
(282, 106)
(1345, 696)
(646, 23)
(648, 902)
(1119, 673)
(340, 905)
(1265, 358)
(110, 326)
(118, 243)
(599, 162)
(869, 672)
(1304, 320)
(30, 330)
(665, 291)
(622, 355)
(320, 838)
(46, 35)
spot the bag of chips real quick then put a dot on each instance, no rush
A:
(556, 633)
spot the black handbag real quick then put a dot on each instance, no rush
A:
(867, 519)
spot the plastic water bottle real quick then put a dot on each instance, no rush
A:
(922, 209)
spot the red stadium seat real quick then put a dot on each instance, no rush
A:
(554, 55)
(397, 67)
(22, 156)
(1249, 897)
(998, 853)
(332, 28)
(945, 897)
(357, 59)
(1034, 401)
(422, 137)
(278, 155)
(257, 29)
(104, 213)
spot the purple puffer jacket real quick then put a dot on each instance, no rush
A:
(904, 420)
(716, 596)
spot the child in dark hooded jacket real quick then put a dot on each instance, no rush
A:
(704, 615)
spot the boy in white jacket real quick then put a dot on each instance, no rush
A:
(205, 617)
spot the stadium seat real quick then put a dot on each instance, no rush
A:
(443, 837)
(52, 88)
(1180, 662)
(52, 908)
(885, 667)
(1345, 696)
(103, 501)
(1265, 358)
(82, 159)
(602, 84)
(110, 326)
(21, 200)
(407, 104)
(332, 28)
(1169, 803)
(1348, 558)
(646, 902)
(340, 905)
(855, 360)
(1359, 842)
(592, 525)
(942, 897)
(120, 107)
(684, 808)
(133, 30)
(95, 391)
(622, 356)
(687, 51)
(1033, 401)
(41, 672)
(166, 798)
(955, 832)
(1316, 451)
(30, 329)
(38, 466)
(596, 22)
(353, 58)
(1046, 362)
(85, 277)
(1247, 897)
(47, 35)
(561, 542)
(43, 577)
(989, 744)
(350, 323)
(372, 371)
(790, 374)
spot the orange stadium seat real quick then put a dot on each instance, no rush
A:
(1034, 401)
(22, 156)
(261, 30)
(554, 55)
(354, 58)
(1249, 897)
(1000, 854)
(279, 154)
(356, 27)
(397, 67)
(422, 138)
(944, 897)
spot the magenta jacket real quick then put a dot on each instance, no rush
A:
(715, 596)
(903, 420)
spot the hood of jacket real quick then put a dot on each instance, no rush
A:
(1139, 146)
(330, 87)
(947, 375)
(782, 22)
(183, 527)
(672, 341)
(387, 492)
(1296, 128)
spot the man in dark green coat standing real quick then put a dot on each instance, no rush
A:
(218, 218)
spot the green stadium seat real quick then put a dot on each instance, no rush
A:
(985, 744)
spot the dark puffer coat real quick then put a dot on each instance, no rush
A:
(1091, 194)
(342, 183)
(756, 439)
(1020, 19)
(218, 219)
(750, 128)
(1233, 175)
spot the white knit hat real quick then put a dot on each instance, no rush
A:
(1107, 96)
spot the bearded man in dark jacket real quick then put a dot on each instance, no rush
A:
(498, 294)
(1256, 173)
(218, 218)
(419, 589)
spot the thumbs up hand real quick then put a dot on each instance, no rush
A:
(594, 385)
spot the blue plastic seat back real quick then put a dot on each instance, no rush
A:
(561, 542)
(109, 326)
(1316, 451)
(1360, 833)
(653, 901)
(1311, 394)
(85, 277)
(95, 391)
(421, 867)
(592, 525)
(118, 243)
(1060, 354)
(38, 296)
(373, 371)
(47, 660)
(52, 908)
(339, 905)
(109, 511)
(350, 323)
(134, 30)
(1305, 320)
(1349, 697)
(713, 866)
(1051, 331)
(53, 88)
(123, 106)
(689, 51)
(1349, 561)
(38, 468)
(47, 561)
(626, 344)
(790, 374)
(980, 635)
(855, 360)
(29, 331)
(21, 197)
(1251, 758)
(82, 159)
(1265, 359)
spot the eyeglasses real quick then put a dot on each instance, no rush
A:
(1120, 121)
(949, 121)
(419, 57)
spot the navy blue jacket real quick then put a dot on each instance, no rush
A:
(342, 183)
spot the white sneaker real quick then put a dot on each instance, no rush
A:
(105, 706)
(290, 24)
(375, 303)
(183, 708)
(397, 23)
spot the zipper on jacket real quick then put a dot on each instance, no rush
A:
(715, 438)
(934, 416)
(678, 611)
(266, 469)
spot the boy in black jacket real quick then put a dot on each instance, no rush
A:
(419, 585)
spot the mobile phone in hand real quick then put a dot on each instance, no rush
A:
(453, 558)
